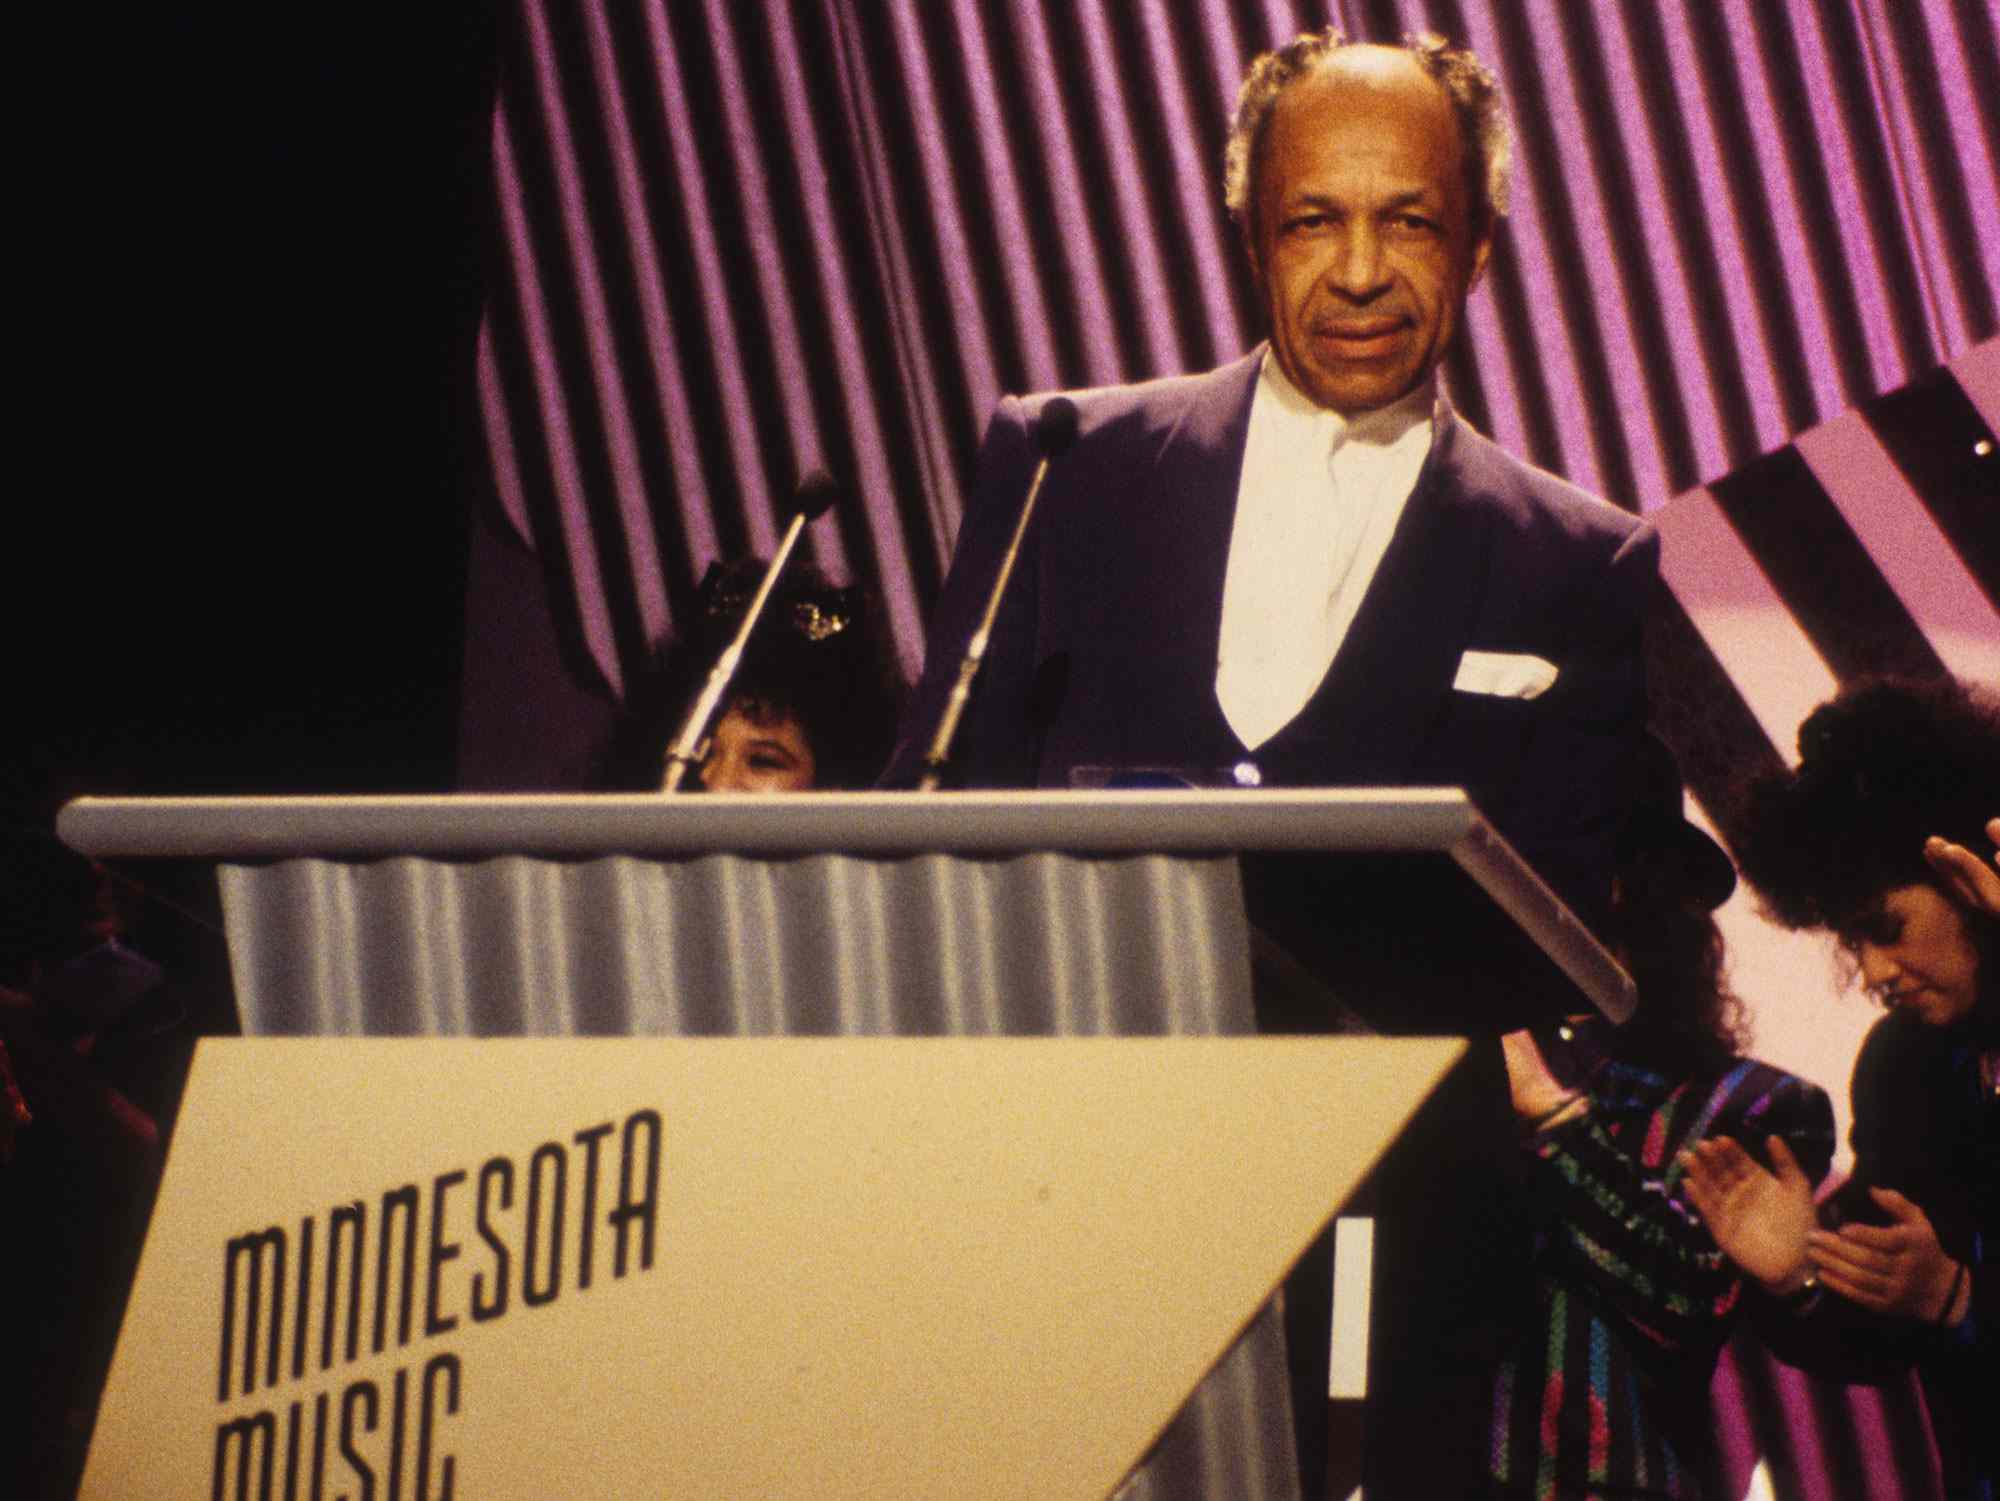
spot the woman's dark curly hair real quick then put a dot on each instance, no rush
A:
(820, 655)
(1884, 764)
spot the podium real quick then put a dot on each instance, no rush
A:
(1062, 916)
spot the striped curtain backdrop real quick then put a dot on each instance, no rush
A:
(741, 240)
(738, 241)
(1868, 544)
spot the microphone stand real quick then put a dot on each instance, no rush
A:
(816, 492)
(1054, 430)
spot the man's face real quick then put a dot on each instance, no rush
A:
(1360, 232)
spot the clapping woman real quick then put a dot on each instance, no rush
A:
(1603, 1390)
(1873, 838)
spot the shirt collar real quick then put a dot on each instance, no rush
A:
(1383, 428)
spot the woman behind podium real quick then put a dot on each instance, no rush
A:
(812, 705)
(1604, 1389)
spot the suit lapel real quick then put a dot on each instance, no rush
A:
(1197, 473)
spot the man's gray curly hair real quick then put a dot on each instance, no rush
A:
(1472, 89)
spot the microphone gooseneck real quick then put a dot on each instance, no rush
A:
(1055, 429)
(816, 493)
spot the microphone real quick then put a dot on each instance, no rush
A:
(815, 495)
(1055, 430)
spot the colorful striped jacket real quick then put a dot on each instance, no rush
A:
(1604, 1392)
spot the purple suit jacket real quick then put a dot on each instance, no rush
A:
(1104, 654)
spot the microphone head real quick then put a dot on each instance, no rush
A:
(815, 494)
(1055, 427)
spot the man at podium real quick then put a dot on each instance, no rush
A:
(1303, 568)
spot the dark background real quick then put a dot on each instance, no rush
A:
(244, 568)
(243, 457)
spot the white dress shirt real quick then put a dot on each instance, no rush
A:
(1316, 505)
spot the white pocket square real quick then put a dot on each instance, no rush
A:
(1503, 674)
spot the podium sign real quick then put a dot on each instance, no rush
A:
(522, 1268)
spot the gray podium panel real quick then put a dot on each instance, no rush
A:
(727, 945)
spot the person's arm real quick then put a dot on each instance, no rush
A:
(1899, 1269)
(1761, 1218)
(1626, 1231)
(1973, 880)
(1856, 1305)
(14, 1111)
(1876, 1292)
